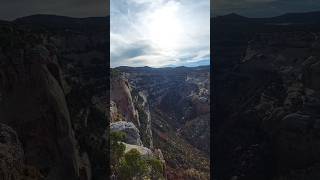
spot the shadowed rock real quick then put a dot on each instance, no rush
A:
(132, 133)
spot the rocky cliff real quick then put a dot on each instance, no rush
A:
(130, 115)
(53, 98)
(127, 104)
(12, 157)
(169, 102)
(267, 103)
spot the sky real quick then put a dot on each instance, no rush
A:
(263, 8)
(12, 9)
(159, 33)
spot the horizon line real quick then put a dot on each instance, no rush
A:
(65, 16)
(160, 67)
(239, 14)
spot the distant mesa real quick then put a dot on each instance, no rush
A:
(64, 22)
(292, 18)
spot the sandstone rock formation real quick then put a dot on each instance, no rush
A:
(121, 96)
(47, 97)
(12, 161)
(33, 103)
(132, 133)
(170, 102)
(145, 152)
(266, 100)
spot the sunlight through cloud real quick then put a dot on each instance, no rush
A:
(159, 32)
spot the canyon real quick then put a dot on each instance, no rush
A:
(53, 98)
(168, 110)
(266, 97)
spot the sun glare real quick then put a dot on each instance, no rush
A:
(159, 32)
(165, 28)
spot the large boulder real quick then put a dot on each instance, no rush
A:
(132, 133)
(145, 152)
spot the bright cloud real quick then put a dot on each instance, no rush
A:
(159, 32)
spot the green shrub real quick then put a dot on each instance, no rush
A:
(157, 168)
(132, 166)
(117, 148)
(114, 73)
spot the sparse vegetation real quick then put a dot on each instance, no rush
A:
(114, 73)
(117, 149)
(132, 164)
(157, 168)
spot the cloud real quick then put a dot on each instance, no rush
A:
(159, 32)
(153, 60)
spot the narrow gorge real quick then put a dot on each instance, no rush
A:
(165, 112)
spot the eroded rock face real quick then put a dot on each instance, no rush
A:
(12, 165)
(132, 133)
(173, 106)
(142, 105)
(53, 93)
(297, 139)
(269, 124)
(311, 73)
(114, 113)
(131, 105)
(33, 103)
(291, 121)
(297, 142)
(11, 154)
(121, 96)
(82, 56)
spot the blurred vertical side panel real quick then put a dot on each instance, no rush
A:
(54, 58)
(266, 90)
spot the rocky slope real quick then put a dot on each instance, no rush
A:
(169, 102)
(53, 97)
(267, 101)
(129, 114)
(12, 157)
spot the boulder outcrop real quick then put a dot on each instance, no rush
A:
(132, 133)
